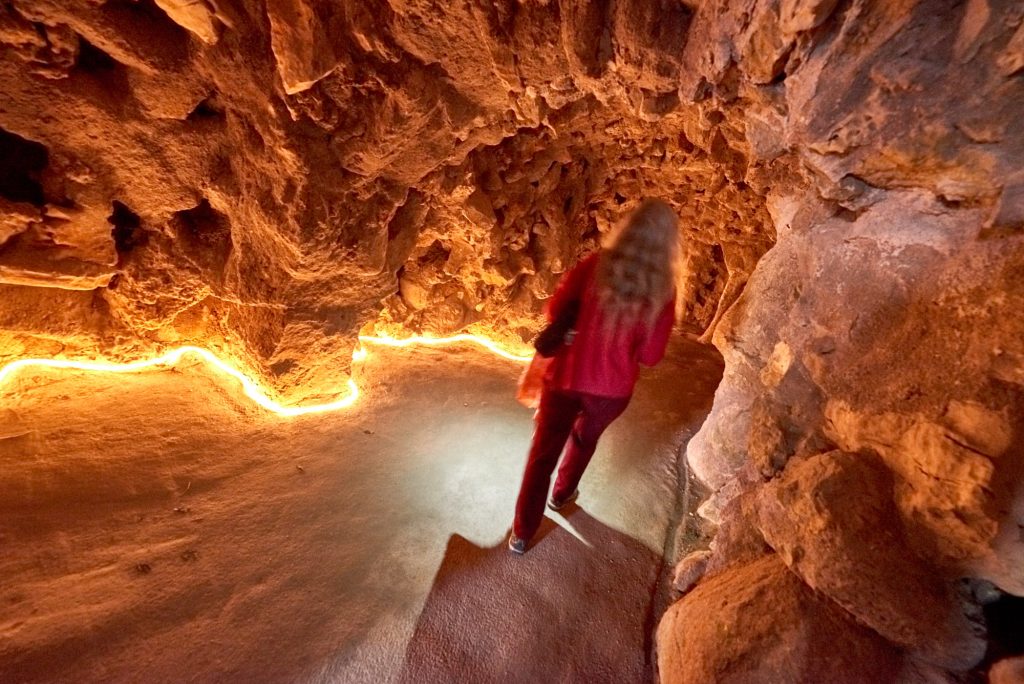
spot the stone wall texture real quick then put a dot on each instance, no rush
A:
(266, 178)
(868, 430)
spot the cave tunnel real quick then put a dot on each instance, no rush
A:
(270, 271)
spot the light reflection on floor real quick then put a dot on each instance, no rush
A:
(155, 522)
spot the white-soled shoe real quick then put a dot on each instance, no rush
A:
(556, 505)
(516, 545)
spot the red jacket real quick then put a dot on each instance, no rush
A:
(600, 361)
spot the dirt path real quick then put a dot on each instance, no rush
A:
(156, 527)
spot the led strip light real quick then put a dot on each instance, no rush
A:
(251, 388)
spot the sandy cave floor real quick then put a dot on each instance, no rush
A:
(159, 527)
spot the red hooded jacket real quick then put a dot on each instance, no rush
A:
(599, 361)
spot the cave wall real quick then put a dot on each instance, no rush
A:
(867, 433)
(266, 178)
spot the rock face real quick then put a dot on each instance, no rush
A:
(750, 624)
(869, 421)
(265, 178)
(831, 519)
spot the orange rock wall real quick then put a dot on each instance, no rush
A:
(867, 432)
(265, 178)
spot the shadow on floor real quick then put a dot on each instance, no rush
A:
(566, 611)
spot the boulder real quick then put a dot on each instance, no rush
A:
(832, 520)
(689, 570)
(757, 622)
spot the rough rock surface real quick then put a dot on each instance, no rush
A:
(856, 368)
(832, 520)
(751, 624)
(1008, 671)
(265, 178)
(872, 397)
(259, 178)
(689, 570)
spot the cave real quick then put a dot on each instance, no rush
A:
(270, 271)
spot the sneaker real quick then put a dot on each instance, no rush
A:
(516, 545)
(557, 505)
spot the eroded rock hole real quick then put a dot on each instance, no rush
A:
(92, 60)
(208, 109)
(21, 163)
(127, 229)
(100, 74)
(204, 233)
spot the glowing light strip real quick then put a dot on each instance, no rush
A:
(251, 388)
(487, 344)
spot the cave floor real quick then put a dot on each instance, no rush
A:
(159, 527)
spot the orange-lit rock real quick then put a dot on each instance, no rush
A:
(758, 623)
(267, 178)
(832, 520)
(885, 321)
(261, 178)
(1008, 671)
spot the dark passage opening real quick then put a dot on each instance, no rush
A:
(205, 234)
(1005, 621)
(207, 109)
(126, 228)
(20, 164)
(92, 60)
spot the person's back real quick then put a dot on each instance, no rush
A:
(624, 301)
(604, 355)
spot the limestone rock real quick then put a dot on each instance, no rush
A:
(759, 623)
(267, 178)
(1007, 671)
(956, 465)
(195, 15)
(738, 540)
(946, 474)
(311, 155)
(832, 520)
(689, 570)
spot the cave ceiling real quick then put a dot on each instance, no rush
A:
(265, 178)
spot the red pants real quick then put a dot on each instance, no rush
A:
(585, 417)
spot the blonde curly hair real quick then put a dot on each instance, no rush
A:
(637, 268)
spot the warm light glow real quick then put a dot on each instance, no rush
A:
(489, 345)
(359, 355)
(251, 388)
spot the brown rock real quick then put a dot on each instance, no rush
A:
(832, 520)
(268, 177)
(759, 623)
(195, 15)
(689, 570)
(1007, 671)
(340, 147)
(738, 540)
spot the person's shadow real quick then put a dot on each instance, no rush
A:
(567, 611)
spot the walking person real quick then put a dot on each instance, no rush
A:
(623, 301)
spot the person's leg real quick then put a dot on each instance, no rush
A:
(555, 418)
(597, 414)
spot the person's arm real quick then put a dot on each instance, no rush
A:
(571, 288)
(653, 348)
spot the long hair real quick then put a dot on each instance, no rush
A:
(636, 271)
